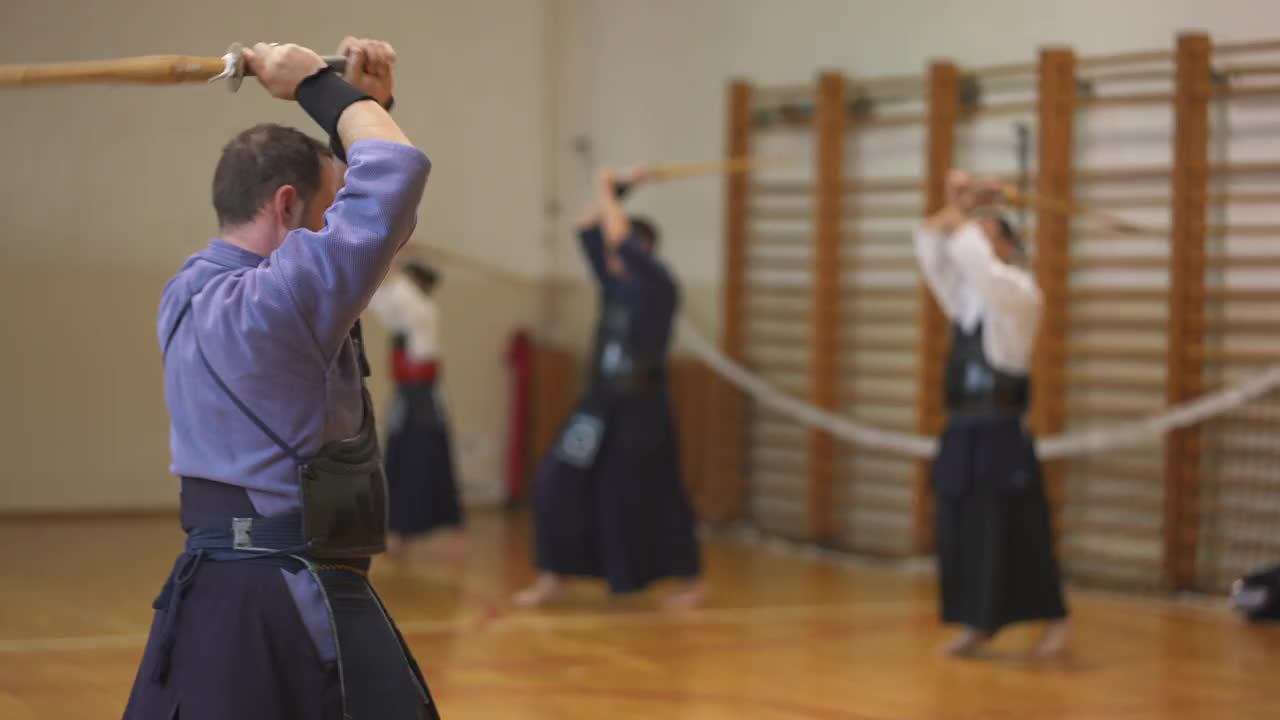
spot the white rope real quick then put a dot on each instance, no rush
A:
(1084, 442)
(802, 412)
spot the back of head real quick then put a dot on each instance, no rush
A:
(646, 231)
(259, 161)
(423, 275)
(1013, 248)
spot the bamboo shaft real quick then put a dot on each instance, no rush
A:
(675, 171)
(1111, 221)
(149, 70)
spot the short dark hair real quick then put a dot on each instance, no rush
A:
(646, 231)
(259, 161)
(422, 274)
(1011, 234)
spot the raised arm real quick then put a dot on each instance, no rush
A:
(603, 227)
(931, 240)
(613, 219)
(338, 104)
(591, 238)
(331, 274)
(1000, 286)
(935, 236)
(940, 274)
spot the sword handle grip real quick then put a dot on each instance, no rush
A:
(337, 62)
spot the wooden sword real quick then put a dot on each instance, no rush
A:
(144, 70)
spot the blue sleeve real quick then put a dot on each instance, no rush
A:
(592, 239)
(331, 275)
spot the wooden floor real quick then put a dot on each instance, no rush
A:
(785, 638)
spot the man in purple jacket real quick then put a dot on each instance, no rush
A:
(268, 613)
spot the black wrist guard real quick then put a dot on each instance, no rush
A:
(324, 96)
(620, 189)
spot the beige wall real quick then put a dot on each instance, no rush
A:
(86, 425)
(106, 191)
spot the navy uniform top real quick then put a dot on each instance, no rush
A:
(645, 293)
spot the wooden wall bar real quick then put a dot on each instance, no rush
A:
(943, 113)
(725, 459)
(1105, 354)
(1057, 101)
(736, 207)
(831, 125)
(1186, 301)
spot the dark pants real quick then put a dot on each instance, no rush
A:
(626, 518)
(228, 639)
(422, 487)
(995, 541)
(240, 651)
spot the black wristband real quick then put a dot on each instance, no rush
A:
(335, 145)
(620, 189)
(324, 96)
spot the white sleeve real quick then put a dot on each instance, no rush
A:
(998, 284)
(942, 277)
(1009, 295)
(424, 337)
(392, 303)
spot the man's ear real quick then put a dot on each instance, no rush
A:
(287, 206)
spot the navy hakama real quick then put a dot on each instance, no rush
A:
(616, 507)
(995, 542)
(421, 482)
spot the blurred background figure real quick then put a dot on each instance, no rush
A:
(421, 480)
(609, 501)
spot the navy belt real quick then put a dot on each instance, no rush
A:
(968, 414)
(251, 535)
(985, 403)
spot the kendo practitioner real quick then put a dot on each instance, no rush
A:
(994, 540)
(268, 613)
(421, 481)
(1256, 596)
(609, 501)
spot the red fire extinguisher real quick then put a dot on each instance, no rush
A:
(520, 361)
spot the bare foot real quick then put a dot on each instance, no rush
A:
(690, 597)
(546, 588)
(967, 642)
(1053, 643)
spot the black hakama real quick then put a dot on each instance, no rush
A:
(230, 639)
(627, 518)
(994, 537)
(421, 482)
(1257, 595)
(240, 651)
